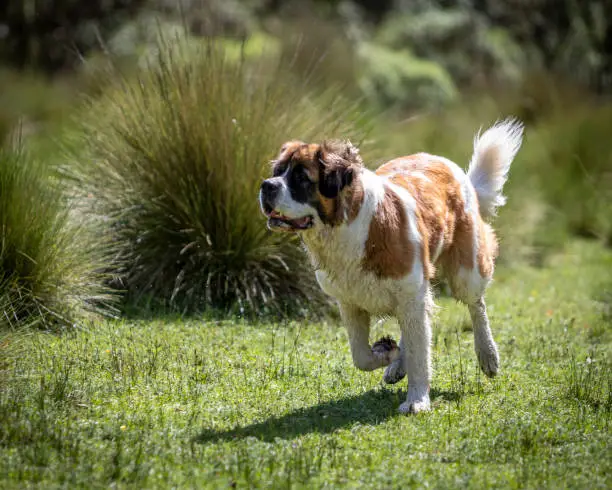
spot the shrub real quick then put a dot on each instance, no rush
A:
(458, 40)
(397, 78)
(48, 271)
(174, 159)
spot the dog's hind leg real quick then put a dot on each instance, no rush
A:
(365, 357)
(469, 286)
(486, 349)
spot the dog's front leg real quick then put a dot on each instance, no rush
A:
(416, 340)
(365, 357)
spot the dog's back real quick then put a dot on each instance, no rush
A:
(452, 206)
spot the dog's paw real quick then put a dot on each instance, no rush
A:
(394, 372)
(488, 358)
(416, 406)
(386, 349)
(417, 399)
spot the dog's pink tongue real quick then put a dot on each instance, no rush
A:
(301, 221)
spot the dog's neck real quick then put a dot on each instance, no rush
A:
(334, 247)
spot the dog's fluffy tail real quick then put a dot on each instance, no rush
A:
(494, 151)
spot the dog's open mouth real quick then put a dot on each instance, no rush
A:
(278, 221)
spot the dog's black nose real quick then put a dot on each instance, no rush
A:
(269, 192)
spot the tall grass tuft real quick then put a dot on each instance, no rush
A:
(48, 271)
(174, 158)
(590, 383)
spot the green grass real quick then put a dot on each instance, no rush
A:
(192, 404)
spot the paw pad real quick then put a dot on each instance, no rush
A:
(384, 345)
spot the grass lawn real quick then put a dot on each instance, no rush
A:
(192, 404)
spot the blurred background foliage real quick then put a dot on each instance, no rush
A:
(145, 125)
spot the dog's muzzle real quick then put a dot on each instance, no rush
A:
(269, 192)
(268, 195)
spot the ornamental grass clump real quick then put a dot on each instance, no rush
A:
(50, 274)
(174, 157)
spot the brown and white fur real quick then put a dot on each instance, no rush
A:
(376, 239)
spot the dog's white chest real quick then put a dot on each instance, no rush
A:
(337, 259)
(357, 287)
(338, 255)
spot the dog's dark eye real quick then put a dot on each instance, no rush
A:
(279, 170)
(300, 175)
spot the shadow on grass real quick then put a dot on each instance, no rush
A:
(370, 408)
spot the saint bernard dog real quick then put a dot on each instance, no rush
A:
(376, 239)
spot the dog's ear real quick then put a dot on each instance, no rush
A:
(334, 174)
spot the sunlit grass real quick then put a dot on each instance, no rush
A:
(212, 404)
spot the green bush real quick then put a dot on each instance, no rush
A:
(48, 270)
(399, 79)
(460, 41)
(174, 159)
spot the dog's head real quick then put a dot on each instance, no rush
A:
(310, 184)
